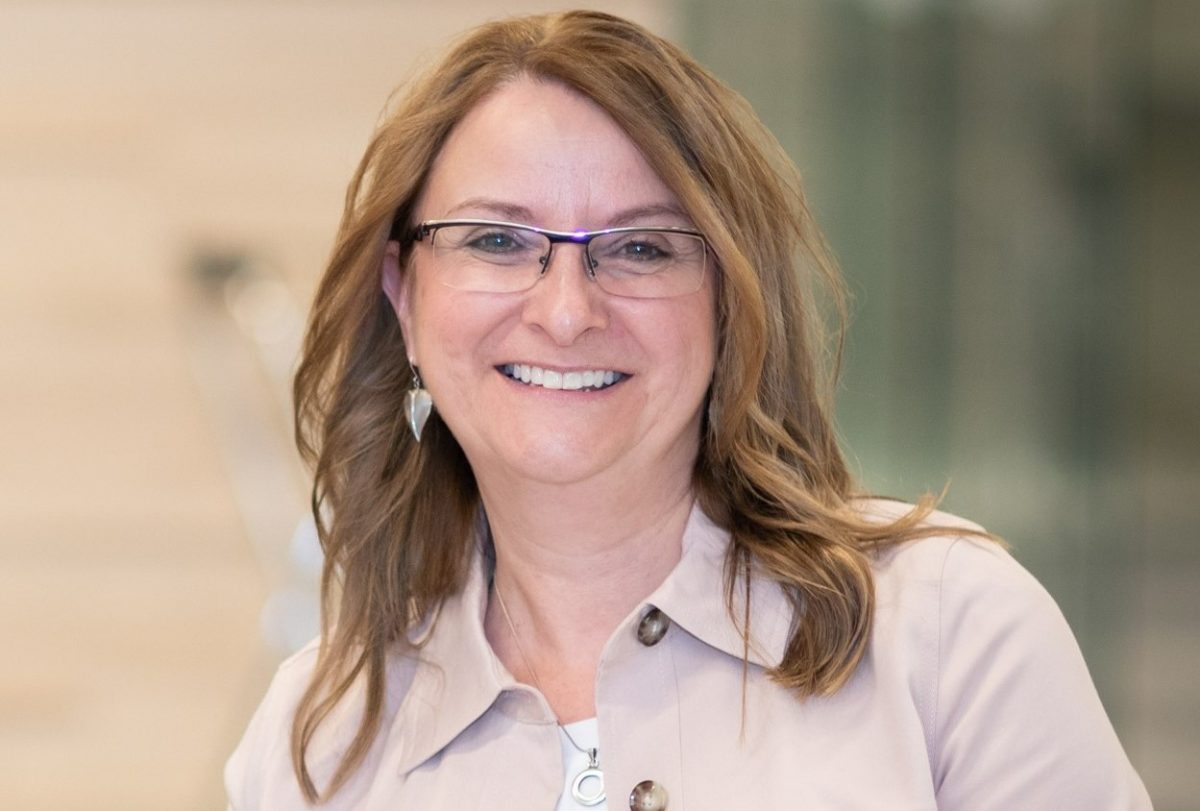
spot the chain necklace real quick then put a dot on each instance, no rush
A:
(592, 771)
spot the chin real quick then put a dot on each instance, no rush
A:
(557, 462)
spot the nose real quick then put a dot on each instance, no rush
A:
(565, 303)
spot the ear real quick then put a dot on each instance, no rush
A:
(397, 287)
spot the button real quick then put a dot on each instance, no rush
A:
(653, 627)
(648, 796)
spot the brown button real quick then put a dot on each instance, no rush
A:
(648, 796)
(653, 627)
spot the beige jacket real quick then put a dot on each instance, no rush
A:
(973, 696)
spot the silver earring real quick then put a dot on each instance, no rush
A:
(417, 405)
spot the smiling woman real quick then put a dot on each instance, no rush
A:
(538, 149)
(622, 562)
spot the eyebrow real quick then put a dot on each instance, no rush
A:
(633, 215)
(512, 212)
(508, 211)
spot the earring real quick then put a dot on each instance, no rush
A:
(417, 404)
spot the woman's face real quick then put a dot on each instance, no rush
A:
(539, 153)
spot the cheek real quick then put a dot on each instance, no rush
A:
(453, 330)
(685, 340)
(433, 308)
(701, 327)
(437, 333)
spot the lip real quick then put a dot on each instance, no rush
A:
(565, 379)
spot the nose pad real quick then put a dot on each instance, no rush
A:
(565, 306)
(589, 266)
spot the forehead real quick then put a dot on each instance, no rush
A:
(543, 147)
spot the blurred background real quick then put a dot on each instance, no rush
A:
(1011, 187)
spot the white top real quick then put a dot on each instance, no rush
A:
(586, 733)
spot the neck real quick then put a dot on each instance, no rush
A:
(577, 561)
(571, 566)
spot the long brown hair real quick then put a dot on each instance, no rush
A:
(396, 517)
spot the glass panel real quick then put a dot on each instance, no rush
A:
(1012, 194)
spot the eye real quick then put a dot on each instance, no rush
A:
(640, 247)
(495, 240)
(491, 243)
(644, 250)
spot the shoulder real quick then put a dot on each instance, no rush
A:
(956, 562)
(1009, 709)
(262, 758)
(259, 774)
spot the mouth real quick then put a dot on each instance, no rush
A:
(590, 380)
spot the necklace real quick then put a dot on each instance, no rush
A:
(592, 771)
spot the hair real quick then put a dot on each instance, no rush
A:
(396, 518)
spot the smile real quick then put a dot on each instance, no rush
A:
(592, 380)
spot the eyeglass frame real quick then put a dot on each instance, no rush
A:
(584, 238)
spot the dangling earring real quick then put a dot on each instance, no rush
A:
(417, 404)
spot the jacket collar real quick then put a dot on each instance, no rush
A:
(693, 596)
(458, 676)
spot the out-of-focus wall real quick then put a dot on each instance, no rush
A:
(1012, 189)
(171, 175)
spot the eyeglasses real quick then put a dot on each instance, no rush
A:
(484, 256)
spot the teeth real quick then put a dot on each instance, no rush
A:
(567, 381)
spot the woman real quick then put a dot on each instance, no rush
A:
(590, 539)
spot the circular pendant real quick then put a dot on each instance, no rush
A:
(588, 787)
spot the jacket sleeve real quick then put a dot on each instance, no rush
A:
(261, 764)
(1018, 721)
(258, 747)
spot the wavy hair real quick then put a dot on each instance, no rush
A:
(396, 518)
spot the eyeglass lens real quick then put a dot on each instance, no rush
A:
(500, 258)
